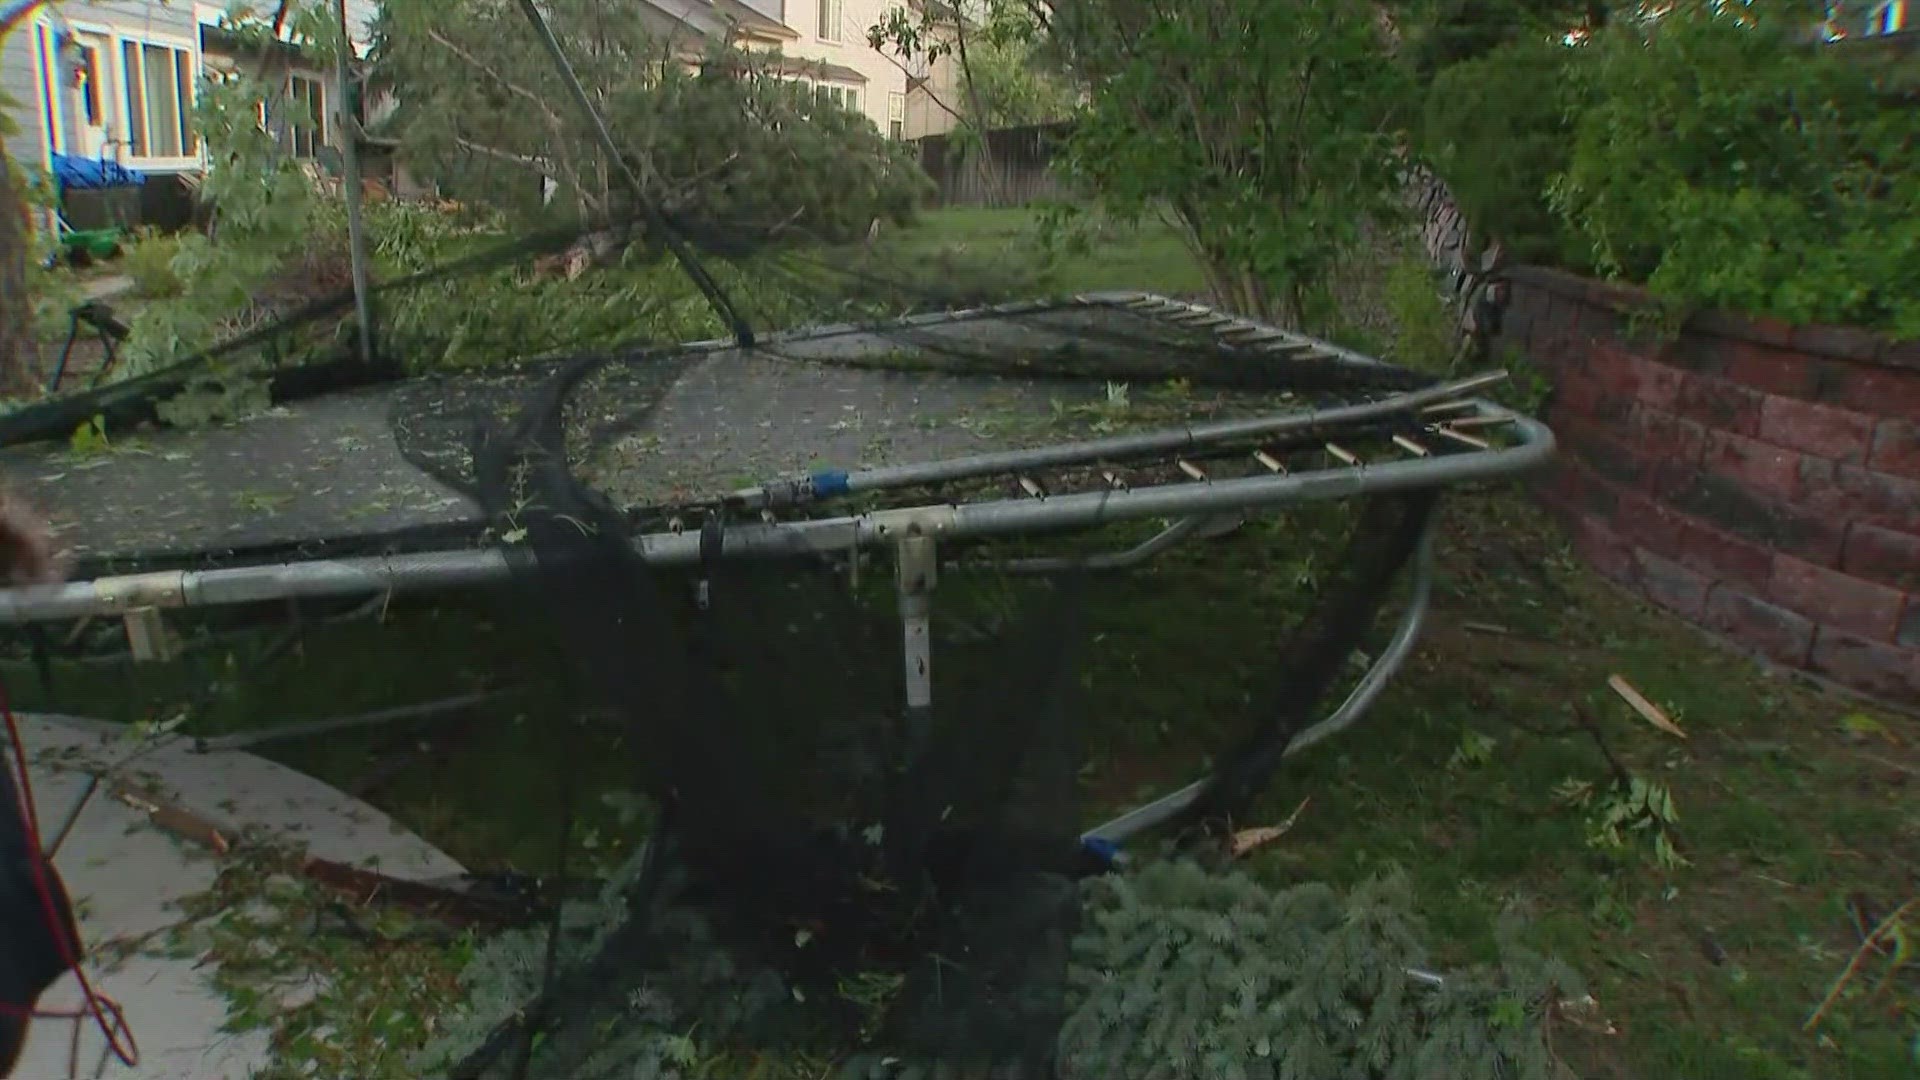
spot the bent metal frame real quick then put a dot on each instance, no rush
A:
(1459, 438)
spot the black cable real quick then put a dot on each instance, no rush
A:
(742, 333)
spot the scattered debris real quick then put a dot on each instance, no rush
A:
(1648, 711)
(1890, 932)
(1247, 841)
(1584, 1013)
(173, 819)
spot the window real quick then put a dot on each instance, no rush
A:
(89, 77)
(306, 129)
(830, 18)
(897, 115)
(159, 80)
(846, 97)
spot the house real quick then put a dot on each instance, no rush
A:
(935, 91)
(822, 43)
(116, 80)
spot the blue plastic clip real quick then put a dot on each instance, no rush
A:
(828, 484)
(1105, 850)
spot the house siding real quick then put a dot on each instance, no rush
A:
(883, 75)
(19, 82)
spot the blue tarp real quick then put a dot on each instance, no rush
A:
(81, 172)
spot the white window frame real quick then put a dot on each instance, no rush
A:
(324, 135)
(828, 20)
(47, 91)
(124, 130)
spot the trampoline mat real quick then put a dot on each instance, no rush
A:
(331, 476)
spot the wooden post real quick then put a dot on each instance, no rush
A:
(349, 133)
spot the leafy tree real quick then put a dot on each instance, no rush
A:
(1271, 131)
(712, 131)
(19, 349)
(1498, 128)
(1725, 162)
(1006, 79)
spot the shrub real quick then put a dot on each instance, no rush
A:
(1498, 129)
(1186, 973)
(1423, 325)
(1727, 164)
(149, 262)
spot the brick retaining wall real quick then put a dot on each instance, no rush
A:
(1758, 480)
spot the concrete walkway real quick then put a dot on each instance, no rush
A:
(127, 876)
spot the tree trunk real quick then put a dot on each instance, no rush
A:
(19, 351)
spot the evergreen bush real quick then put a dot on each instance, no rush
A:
(1180, 973)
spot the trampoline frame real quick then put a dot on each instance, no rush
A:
(916, 534)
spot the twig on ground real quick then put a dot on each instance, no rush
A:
(1621, 774)
(1889, 926)
(1651, 713)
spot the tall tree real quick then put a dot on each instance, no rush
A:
(1270, 129)
(19, 349)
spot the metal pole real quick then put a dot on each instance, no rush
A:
(715, 295)
(1187, 436)
(916, 569)
(1365, 692)
(801, 539)
(349, 131)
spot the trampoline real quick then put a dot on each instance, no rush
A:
(839, 790)
(251, 511)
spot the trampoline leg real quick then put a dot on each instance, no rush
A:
(916, 563)
(147, 635)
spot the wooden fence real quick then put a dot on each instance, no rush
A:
(1015, 170)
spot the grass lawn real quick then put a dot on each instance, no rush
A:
(991, 244)
(1793, 810)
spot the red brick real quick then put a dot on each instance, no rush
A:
(1780, 524)
(1603, 448)
(1576, 393)
(1773, 632)
(1755, 465)
(1896, 448)
(1847, 493)
(1902, 354)
(1557, 345)
(1656, 385)
(1835, 599)
(1699, 353)
(1726, 558)
(1601, 548)
(1619, 296)
(1770, 370)
(1575, 487)
(1840, 434)
(1718, 403)
(1883, 555)
(1768, 330)
(1649, 524)
(1885, 671)
(1841, 342)
(1663, 435)
(1670, 585)
(1877, 389)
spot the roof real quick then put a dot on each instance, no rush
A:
(818, 69)
(752, 22)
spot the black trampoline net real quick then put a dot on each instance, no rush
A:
(836, 869)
